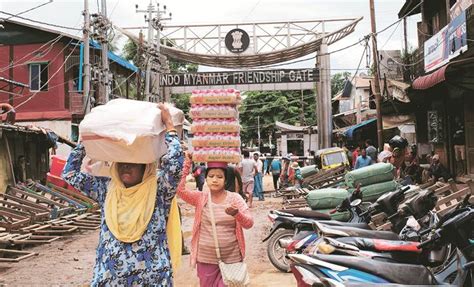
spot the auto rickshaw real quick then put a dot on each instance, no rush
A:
(329, 158)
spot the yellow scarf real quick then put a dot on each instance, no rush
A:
(129, 210)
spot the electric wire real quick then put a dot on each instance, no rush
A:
(30, 9)
(41, 22)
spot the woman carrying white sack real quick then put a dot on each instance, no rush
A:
(135, 246)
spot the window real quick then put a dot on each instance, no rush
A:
(39, 77)
(333, 158)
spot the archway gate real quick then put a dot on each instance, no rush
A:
(257, 45)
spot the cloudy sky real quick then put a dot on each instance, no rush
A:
(122, 13)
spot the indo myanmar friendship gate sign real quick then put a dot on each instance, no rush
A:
(266, 79)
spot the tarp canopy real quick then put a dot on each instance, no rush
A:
(350, 131)
(115, 58)
(390, 122)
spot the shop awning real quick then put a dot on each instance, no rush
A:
(350, 131)
(431, 80)
(390, 122)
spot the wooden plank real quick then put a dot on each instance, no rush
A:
(58, 196)
(74, 194)
(28, 203)
(385, 226)
(15, 256)
(457, 195)
(31, 194)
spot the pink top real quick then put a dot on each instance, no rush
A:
(198, 199)
(225, 227)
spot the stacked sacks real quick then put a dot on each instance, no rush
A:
(309, 170)
(374, 180)
(215, 125)
(326, 199)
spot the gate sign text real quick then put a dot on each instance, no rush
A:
(240, 77)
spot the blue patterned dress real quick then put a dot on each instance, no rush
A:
(146, 261)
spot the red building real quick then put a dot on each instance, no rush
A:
(49, 63)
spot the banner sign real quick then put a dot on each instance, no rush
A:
(240, 77)
(435, 127)
(447, 44)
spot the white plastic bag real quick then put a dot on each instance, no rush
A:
(126, 131)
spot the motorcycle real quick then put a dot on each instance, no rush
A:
(335, 270)
(285, 222)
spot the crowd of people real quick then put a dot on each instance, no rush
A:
(406, 160)
(140, 241)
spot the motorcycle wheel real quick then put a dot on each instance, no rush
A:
(276, 253)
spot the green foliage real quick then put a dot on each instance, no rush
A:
(129, 51)
(271, 106)
(181, 101)
(112, 42)
(337, 82)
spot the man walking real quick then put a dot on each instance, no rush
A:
(363, 160)
(371, 150)
(275, 168)
(248, 169)
(258, 183)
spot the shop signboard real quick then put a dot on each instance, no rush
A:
(447, 44)
(435, 127)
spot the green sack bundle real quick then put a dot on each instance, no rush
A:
(339, 216)
(376, 173)
(326, 198)
(309, 170)
(374, 191)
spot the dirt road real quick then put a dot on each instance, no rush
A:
(70, 261)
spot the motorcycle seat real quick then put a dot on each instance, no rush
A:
(393, 272)
(381, 245)
(347, 231)
(307, 214)
(348, 224)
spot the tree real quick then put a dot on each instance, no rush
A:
(130, 53)
(338, 81)
(272, 106)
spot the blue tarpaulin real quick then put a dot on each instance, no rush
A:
(113, 57)
(350, 132)
(117, 59)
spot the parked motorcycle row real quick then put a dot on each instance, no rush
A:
(420, 249)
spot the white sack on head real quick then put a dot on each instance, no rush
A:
(126, 131)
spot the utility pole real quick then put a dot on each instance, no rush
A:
(148, 17)
(140, 64)
(101, 26)
(378, 100)
(153, 47)
(258, 132)
(157, 24)
(405, 39)
(86, 60)
(105, 57)
(323, 103)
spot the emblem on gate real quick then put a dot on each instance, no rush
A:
(237, 40)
